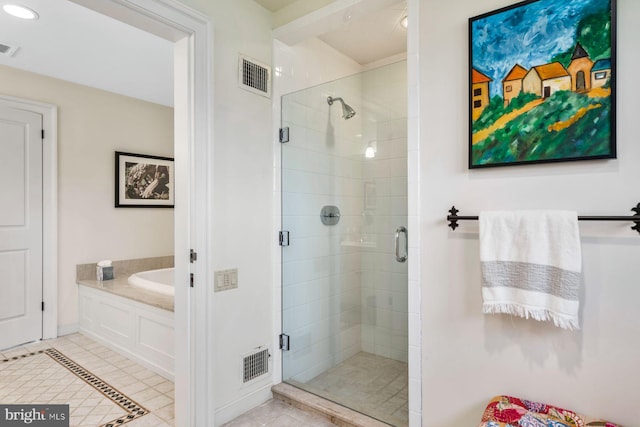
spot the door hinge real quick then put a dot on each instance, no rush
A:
(193, 256)
(284, 342)
(284, 134)
(42, 133)
(191, 280)
(42, 305)
(283, 238)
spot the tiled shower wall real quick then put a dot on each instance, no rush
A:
(343, 291)
(321, 268)
(384, 280)
(307, 64)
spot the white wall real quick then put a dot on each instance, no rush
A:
(414, 217)
(92, 125)
(242, 204)
(469, 357)
(307, 64)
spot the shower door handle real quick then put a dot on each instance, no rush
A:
(403, 258)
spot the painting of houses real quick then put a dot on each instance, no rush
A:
(555, 60)
(601, 73)
(544, 80)
(479, 92)
(580, 69)
(512, 83)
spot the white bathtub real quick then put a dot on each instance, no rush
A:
(160, 281)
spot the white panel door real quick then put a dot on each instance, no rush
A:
(20, 227)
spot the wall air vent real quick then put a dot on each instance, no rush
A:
(254, 76)
(7, 50)
(255, 364)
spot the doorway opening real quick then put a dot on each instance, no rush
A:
(191, 33)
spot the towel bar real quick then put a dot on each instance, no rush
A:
(453, 218)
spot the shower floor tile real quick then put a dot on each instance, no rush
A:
(99, 385)
(374, 385)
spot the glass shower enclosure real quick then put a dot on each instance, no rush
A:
(344, 254)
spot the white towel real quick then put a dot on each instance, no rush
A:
(531, 265)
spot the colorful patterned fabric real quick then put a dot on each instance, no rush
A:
(506, 411)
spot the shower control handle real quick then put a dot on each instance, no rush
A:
(403, 258)
(330, 215)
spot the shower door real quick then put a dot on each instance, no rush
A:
(344, 259)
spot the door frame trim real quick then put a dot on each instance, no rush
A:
(192, 33)
(49, 115)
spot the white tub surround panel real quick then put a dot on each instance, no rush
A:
(138, 331)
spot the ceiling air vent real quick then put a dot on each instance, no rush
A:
(254, 76)
(7, 50)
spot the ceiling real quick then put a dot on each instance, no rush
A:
(275, 5)
(375, 34)
(73, 43)
(372, 37)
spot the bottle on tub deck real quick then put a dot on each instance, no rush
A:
(104, 270)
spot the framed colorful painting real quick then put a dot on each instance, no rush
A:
(542, 83)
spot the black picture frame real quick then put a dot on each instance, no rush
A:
(144, 181)
(542, 83)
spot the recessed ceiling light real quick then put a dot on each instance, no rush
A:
(404, 22)
(21, 12)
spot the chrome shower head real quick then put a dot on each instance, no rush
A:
(347, 111)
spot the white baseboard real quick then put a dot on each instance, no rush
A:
(234, 409)
(68, 329)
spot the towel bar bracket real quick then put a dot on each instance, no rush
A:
(453, 218)
(453, 213)
(637, 218)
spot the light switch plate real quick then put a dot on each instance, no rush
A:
(225, 280)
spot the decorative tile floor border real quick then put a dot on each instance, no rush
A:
(22, 356)
(133, 409)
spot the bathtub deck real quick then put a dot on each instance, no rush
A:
(86, 275)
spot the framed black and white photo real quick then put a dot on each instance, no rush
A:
(144, 181)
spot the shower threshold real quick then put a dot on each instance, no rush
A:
(336, 414)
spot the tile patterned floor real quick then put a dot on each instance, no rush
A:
(35, 374)
(374, 385)
(118, 386)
